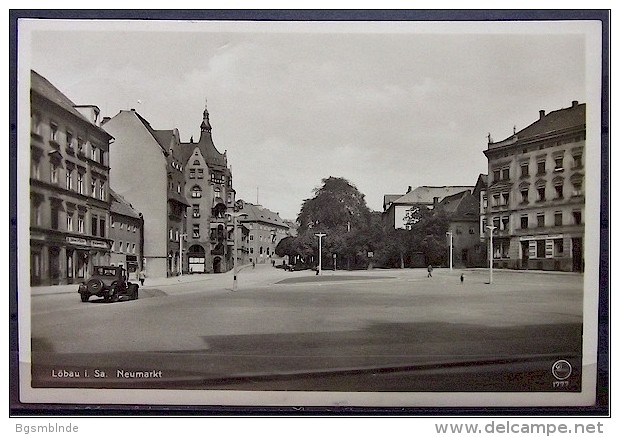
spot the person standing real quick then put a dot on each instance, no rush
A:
(141, 277)
(430, 271)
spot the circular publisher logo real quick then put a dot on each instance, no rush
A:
(561, 370)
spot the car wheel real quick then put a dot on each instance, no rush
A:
(94, 286)
(84, 297)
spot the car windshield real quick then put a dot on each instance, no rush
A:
(106, 271)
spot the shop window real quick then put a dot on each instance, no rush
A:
(558, 247)
(540, 248)
(69, 264)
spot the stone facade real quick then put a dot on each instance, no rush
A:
(69, 187)
(536, 193)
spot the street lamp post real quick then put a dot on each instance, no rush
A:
(491, 229)
(235, 216)
(449, 234)
(320, 236)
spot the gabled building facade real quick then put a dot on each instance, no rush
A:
(536, 193)
(69, 187)
(209, 187)
(147, 172)
(398, 208)
(126, 233)
(266, 229)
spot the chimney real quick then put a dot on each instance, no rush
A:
(105, 120)
(409, 189)
(575, 103)
(133, 109)
(542, 113)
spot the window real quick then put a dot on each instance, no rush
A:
(120, 246)
(505, 223)
(577, 161)
(577, 187)
(69, 264)
(176, 235)
(524, 195)
(196, 230)
(540, 220)
(216, 193)
(496, 200)
(251, 237)
(558, 246)
(36, 213)
(36, 169)
(496, 175)
(93, 153)
(80, 145)
(69, 140)
(577, 217)
(53, 173)
(102, 227)
(133, 247)
(196, 192)
(93, 188)
(559, 191)
(196, 211)
(196, 162)
(55, 211)
(200, 173)
(101, 156)
(506, 173)
(69, 222)
(80, 183)
(524, 222)
(541, 168)
(540, 248)
(127, 247)
(122, 226)
(485, 202)
(93, 225)
(178, 188)
(559, 163)
(557, 218)
(496, 222)
(36, 123)
(192, 173)
(69, 179)
(541, 194)
(80, 223)
(504, 198)
(525, 169)
(53, 132)
(102, 190)
(170, 234)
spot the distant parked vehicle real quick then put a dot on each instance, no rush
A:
(110, 283)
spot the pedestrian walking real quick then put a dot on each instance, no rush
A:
(142, 277)
(462, 277)
(430, 271)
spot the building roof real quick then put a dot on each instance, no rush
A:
(121, 206)
(549, 124)
(44, 87)
(258, 213)
(427, 194)
(205, 144)
(460, 206)
(389, 198)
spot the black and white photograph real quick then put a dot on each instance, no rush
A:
(317, 213)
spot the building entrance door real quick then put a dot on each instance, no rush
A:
(217, 265)
(196, 259)
(525, 254)
(577, 255)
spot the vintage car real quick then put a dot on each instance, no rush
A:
(110, 283)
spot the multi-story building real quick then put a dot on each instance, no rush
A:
(69, 192)
(146, 170)
(536, 193)
(397, 208)
(126, 235)
(480, 192)
(208, 185)
(463, 212)
(266, 229)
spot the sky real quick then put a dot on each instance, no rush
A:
(384, 105)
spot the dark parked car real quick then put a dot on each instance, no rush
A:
(110, 283)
